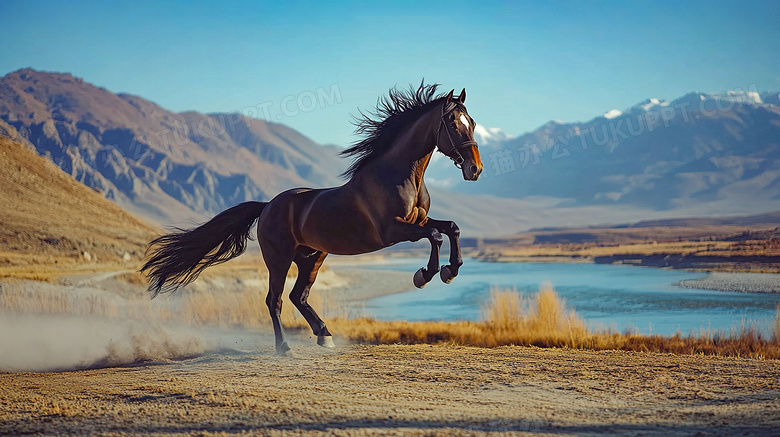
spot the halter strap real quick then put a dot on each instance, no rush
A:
(454, 152)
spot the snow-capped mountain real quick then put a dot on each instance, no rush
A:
(612, 113)
(718, 152)
(489, 136)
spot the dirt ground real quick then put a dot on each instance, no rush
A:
(402, 390)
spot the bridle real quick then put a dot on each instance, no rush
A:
(454, 152)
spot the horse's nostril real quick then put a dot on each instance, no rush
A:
(473, 169)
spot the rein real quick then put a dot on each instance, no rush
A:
(454, 152)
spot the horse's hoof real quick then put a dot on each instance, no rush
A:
(419, 278)
(446, 274)
(282, 349)
(325, 341)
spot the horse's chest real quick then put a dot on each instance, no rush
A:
(417, 208)
(417, 216)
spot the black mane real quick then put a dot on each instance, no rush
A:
(381, 125)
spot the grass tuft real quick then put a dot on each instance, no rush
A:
(543, 320)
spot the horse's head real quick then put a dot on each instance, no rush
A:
(457, 142)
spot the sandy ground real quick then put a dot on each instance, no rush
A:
(212, 381)
(410, 390)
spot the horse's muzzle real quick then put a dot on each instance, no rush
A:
(471, 171)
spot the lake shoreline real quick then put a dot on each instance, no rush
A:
(728, 264)
(393, 281)
(763, 283)
(721, 276)
(360, 284)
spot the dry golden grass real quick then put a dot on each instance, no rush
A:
(50, 268)
(54, 301)
(242, 306)
(541, 320)
(510, 319)
(247, 309)
(776, 327)
(133, 278)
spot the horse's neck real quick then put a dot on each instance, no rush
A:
(412, 149)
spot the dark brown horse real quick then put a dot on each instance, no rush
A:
(384, 202)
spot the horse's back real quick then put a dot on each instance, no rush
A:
(329, 220)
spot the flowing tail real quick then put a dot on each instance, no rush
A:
(179, 257)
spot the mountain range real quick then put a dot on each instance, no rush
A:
(155, 163)
(702, 154)
(699, 154)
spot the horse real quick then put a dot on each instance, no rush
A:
(383, 202)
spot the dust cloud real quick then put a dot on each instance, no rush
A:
(50, 328)
(45, 342)
(52, 343)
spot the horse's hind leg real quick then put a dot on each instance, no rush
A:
(274, 301)
(308, 266)
(278, 263)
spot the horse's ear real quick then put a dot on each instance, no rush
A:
(462, 96)
(449, 96)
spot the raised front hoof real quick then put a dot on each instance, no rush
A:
(325, 341)
(282, 349)
(446, 274)
(419, 278)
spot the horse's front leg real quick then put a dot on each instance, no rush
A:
(425, 274)
(404, 231)
(449, 228)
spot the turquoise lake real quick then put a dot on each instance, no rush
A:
(605, 296)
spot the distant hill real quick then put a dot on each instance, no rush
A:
(159, 164)
(697, 155)
(691, 228)
(46, 212)
(766, 219)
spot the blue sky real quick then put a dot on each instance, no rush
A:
(522, 63)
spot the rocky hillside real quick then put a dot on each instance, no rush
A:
(159, 164)
(47, 212)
